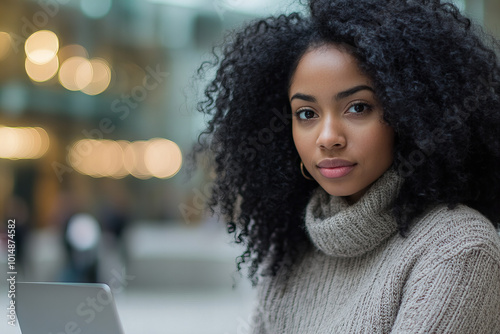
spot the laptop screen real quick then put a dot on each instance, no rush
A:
(66, 308)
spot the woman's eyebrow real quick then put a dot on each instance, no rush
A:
(305, 97)
(351, 91)
(339, 96)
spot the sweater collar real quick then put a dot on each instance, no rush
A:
(343, 230)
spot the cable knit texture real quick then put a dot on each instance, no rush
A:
(360, 276)
(342, 230)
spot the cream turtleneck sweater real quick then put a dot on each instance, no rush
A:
(361, 276)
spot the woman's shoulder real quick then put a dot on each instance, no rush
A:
(455, 230)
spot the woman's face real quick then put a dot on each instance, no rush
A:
(337, 124)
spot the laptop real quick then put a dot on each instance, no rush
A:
(63, 308)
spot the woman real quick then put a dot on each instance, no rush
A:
(357, 157)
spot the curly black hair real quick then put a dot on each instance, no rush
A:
(436, 75)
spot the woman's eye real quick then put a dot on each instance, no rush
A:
(305, 114)
(359, 108)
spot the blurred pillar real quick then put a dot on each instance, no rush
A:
(475, 10)
(492, 16)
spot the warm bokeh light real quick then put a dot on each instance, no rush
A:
(101, 77)
(5, 42)
(44, 142)
(122, 171)
(109, 158)
(129, 158)
(72, 50)
(97, 168)
(23, 143)
(163, 158)
(160, 158)
(84, 73)
(10, 142)
(42, 46)
(75, 73)
(99, 158)
(81, 156)
(134, 160)
(43, 72)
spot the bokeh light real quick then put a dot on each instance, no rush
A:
(83, 232)
(44, 143)
(121, 171)
(72, 50)
(23, 142)
(75, 73)
(81, 155)
(42, 46)
(5, 44)
(42, 72)
(108, 158)
(101, 77)
(158, 157)
(10, 142)
(163, 158)
(134, 160)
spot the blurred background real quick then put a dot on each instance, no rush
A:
(97, 115)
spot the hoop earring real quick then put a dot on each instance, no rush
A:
(302, 171)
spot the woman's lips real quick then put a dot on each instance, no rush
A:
(336, 172)
(335, 168)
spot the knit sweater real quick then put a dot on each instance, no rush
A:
(360, 276)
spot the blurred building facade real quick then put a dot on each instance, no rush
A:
(97, 115)
(150, 49)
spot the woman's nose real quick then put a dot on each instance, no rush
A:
(331, 135)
